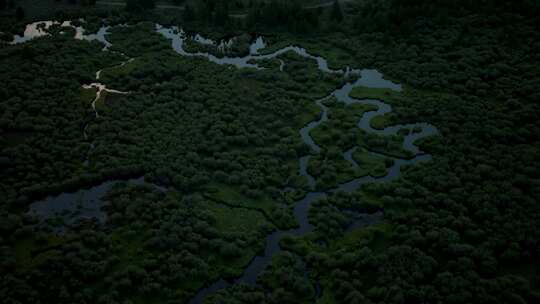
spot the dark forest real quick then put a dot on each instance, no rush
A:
(270, 151)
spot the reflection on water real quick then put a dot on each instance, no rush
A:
(33, 30)
(257, 45)
(76, 206)
(40, 29)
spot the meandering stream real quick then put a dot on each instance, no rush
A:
(367, 78)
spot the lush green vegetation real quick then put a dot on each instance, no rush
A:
(341, 133)
(461, 228)
(226, 130)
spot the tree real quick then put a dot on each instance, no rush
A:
(204, 12)
(189, 14)
(148, 4)
(222, 14)
(337, 14)
(19, 14)
(2, 4)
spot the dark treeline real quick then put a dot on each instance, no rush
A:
(255, 15)
(405, 16)
(288, 15)
(139, 5)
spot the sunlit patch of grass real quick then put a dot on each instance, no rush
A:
(375, 236)
(235, 219)
(374, 93)
(381, 121)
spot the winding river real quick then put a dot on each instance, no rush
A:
(366, 78)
